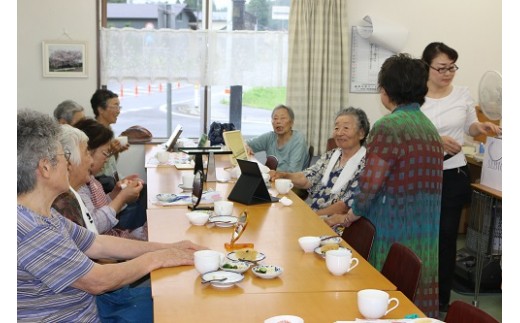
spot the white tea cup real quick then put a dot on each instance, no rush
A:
(373, 303)
(283, 185)
(207, 260)
(309, 243)
(123, 140)
(163, 156)
(340, 261)
(223, 207)
(187, 179)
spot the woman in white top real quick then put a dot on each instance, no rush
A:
(452, 110)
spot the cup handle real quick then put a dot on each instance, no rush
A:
(355, 265)
(395, 306)
(291, 185)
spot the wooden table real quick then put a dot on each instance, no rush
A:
(305, 288)
(317, 307)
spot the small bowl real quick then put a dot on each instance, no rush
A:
(166, 197)
(309, 243)
(267, 271)
(198, 217)
(235, 266)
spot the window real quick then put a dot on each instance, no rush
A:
(174, 66)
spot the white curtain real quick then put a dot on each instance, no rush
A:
(205, 57)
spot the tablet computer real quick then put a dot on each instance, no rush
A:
(170, 144)
(250, 187)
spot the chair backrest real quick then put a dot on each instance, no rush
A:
(360, 236)
(331, 144)
(460, 312)
(403, 268)
(271, 162)
(311, 154)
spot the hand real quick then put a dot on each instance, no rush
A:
(116, 147)
(451, 146)
(335, 219)
(131, 191)
(489, 128)
(351, 218)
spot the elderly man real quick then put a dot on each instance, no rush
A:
(69, 112)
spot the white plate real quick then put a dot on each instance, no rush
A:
(241, 266)
(166, 197)
(284, 318)
(232, 278)
(271, 271)
(223, 221)
(233, 256)
(335, 240)
(186, 189)
(321, 254)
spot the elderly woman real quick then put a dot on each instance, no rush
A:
(331, 179)
(69, 112)
(287, 145)
(108, 208)
(400, 187)
(70, 204)
(57, 278)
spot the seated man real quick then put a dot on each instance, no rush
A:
(57, 277)
(287, 145)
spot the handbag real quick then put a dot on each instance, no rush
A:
(215, 132)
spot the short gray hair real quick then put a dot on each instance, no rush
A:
(70, 139)
(66, 110)
(361, 117)
(281, 106)
(38, 138)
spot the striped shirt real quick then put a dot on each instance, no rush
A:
(50, 259)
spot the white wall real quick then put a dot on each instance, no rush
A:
(47, 20)
(472, 27)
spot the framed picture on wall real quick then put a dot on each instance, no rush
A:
(64, 58)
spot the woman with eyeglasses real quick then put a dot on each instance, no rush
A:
(452, 110)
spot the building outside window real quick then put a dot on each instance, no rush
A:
(160, 104)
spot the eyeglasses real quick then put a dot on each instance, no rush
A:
(443, 70)
(65, 154)
(117, 107)
(106, 153)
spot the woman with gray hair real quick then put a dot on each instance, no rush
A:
(69, 112)
(57, 276)
(71, 205)
(287, 145)
(332, 179)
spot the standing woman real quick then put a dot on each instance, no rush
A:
(400, 186)
(452, 110)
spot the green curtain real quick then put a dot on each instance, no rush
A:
(318, 71)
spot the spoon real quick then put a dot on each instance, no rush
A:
(213, 280)
(329, 237)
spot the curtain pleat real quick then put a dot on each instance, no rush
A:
(317, 83)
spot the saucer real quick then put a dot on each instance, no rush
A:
(186, 189)
(235, 266)
(223, 221)
(322, 254)
(232, 278)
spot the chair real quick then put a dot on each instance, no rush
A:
(271, 162)
(460, 312)
(360, 235)
(331, 144)
(403, 268)
(311, 154)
